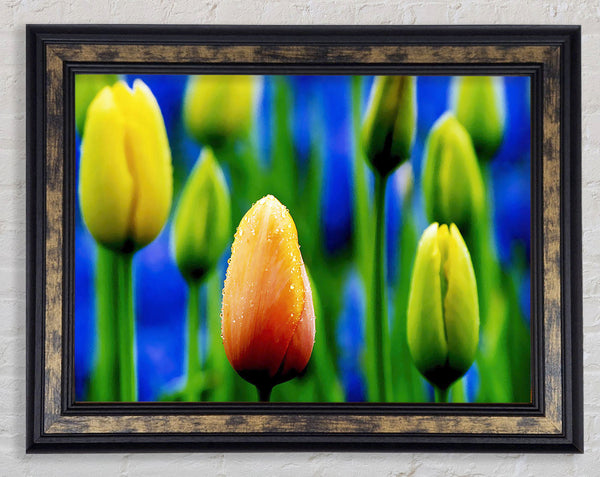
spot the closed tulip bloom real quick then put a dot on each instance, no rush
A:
(443, 310)
(268, 318)
(389, 126)
(218, 108)
(452, 182)
(126, 181)
(479, 104)
(202, 222)
(86, 89)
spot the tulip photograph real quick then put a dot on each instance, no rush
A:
(313, 239)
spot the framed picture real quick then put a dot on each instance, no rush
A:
(246, 238)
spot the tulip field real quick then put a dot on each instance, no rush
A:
(302, 238)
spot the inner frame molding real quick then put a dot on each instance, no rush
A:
(550, 56)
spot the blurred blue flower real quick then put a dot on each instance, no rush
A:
(350, 338)
(366, 83)
(263, 126)
(160, 294)
(303, 88)
(512, 209)
(432, 100)
(85, 329)
(337, 194)
(471, 381)
(78, 215)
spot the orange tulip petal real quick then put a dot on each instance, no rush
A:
(300, 348)
(263, 296)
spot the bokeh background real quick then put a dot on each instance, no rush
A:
(309, 124)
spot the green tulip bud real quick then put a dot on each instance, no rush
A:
(443, 311)
(389, 126)
(202, 223)
(452, 182)
(86, 89)
(479, 105)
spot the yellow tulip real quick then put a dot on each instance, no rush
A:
(126, 177)
(443, 309)
(218, 108)
(86, 89)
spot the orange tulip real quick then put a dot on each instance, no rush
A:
(268, 318)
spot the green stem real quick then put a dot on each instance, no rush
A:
(264, 393)
(323, 361)
(126, 327)
(103, 384)
(380, 342)
(407, 382)
(441, 395)
(114, 378)
(493, 360)
(218, 371)
(193, 327)
(362, 220)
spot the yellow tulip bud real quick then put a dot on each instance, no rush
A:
(443, 311)
(86, 89)
(202, 223)
(126, 177)
(452, 182)
(388, 130)
(218, 109)
(479, 104)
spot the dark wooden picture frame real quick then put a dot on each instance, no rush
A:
(550, 55)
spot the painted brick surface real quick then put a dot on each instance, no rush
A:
(14, 14)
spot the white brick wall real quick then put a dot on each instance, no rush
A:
(14, 14)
